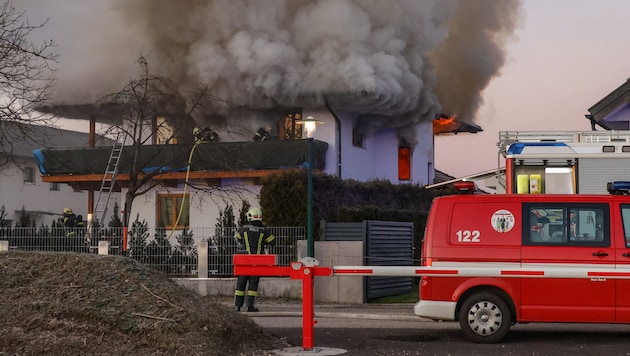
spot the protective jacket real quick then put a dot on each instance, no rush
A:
(254, 237)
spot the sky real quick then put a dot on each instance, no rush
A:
(565, 57)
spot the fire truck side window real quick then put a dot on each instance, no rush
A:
(569, 224)
(625, 215)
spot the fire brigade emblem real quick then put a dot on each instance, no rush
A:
(502, 220)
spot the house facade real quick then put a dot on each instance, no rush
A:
(376, 157)
(227, 173)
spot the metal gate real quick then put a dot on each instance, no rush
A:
(385, 243)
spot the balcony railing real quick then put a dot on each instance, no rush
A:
(175, 253)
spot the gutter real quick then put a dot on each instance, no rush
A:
(338, 138)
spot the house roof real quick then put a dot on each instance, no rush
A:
(441, 177)
(105, 113)
(612, 101)
(45, 137)
(449, 125)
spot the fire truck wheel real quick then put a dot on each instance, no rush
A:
(485, 318)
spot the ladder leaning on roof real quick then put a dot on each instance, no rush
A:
(107, 185)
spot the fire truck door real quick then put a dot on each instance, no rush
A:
(621, 228)
(567, 240)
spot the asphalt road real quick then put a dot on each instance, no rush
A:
(392, 329)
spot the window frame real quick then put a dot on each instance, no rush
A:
(184, 219)
(404, 163)
(28, 175)
(625, 224)
(566, 208)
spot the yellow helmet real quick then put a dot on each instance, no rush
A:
(254, 214)
(67, 211)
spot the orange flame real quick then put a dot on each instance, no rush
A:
(445, 124)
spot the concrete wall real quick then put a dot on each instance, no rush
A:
(269, 287)
(337, 289)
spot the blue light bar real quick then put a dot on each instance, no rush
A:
(517, 148)
(618, 188)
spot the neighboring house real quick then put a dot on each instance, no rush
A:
(21, 186)
(612, 112)
(227, 172)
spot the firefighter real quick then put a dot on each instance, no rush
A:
(253, 237)
(209, 135)
(205, 135)
(198, 134)
(263, 134)
(69, 220)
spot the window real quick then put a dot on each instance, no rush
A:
(357, 138)
(29, 174)
(290, 129)
(566, 224)
(54, 187)
(625, 216)
(169, 207)
(163, 132)
(404, 163)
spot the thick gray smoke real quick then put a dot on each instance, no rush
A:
(390, 63)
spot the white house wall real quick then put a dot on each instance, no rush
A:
(15, 194)
(378, 158)
(204, 206)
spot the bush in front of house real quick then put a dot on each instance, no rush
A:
(283, 201)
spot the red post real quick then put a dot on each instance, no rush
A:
(308, 310)
(124, 245)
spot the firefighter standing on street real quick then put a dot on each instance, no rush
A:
(253, 236)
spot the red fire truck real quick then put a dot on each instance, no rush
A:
(564, 162)
(527, 258)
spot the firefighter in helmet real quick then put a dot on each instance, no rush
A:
(253, 237)
(69, 221)
(263, 134)
(205, 135)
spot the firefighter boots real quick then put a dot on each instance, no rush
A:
(250, 304)
(239, 300)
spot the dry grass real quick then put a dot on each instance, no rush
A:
(80, 304)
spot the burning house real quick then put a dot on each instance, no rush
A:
(375, 74)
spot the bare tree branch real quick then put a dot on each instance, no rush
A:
(153, 106)
(26, 79)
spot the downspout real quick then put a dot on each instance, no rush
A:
(91, 143)
(338, 134)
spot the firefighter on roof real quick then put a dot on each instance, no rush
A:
(205, 135)
(253, 237)
(263, 134)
